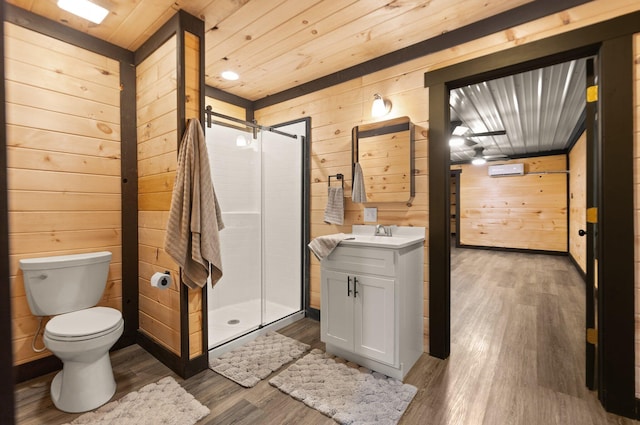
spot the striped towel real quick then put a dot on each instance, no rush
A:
(334, 212)
(358, 192)
(323, 245)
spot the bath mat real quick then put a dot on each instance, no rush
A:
(347, 394)
(164, 402)
(254, 361)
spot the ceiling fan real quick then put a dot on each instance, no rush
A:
(480, 158)
(460, 135)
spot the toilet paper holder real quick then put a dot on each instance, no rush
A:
(161, 280)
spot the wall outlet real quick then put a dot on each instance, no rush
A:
(370, 215)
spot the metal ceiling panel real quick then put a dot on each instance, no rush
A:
(539, 111)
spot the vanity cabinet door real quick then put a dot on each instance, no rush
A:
(374, 321)
(336, 325)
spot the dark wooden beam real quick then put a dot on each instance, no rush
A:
(6, 354)
(616, 240)
(439, 223)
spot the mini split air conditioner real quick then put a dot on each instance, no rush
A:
(506, 170)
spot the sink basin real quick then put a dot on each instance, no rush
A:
(362, 235)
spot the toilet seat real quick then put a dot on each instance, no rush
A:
(84, 324)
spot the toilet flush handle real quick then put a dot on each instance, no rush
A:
(43, 276)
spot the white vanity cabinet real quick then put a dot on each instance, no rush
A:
(372, 306)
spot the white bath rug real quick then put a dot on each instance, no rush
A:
(348, 394)
(164, 402)
(254, 361)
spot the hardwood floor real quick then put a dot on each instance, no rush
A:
(517, 357)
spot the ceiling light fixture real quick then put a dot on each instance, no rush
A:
(456, 141)
(84, 9)
(460, 130)
(380, 106)
(230, 75)
(478, 161)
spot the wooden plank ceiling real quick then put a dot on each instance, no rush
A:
(278, 44)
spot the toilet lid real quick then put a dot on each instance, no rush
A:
(83, 323)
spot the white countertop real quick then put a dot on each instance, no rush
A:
(402, 236)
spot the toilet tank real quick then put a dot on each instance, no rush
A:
(65, 283)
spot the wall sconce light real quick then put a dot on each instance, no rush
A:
(380, 106)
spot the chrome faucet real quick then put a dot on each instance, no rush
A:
(382, 230)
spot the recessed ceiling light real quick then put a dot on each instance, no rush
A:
(230, 75)
(84, 9)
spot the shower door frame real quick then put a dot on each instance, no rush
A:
(305, 219)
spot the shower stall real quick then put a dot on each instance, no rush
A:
(259, 177)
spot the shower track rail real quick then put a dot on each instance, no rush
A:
(253, 125)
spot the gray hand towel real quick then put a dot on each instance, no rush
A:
(358, 192)
(323, 245)
(334, 212)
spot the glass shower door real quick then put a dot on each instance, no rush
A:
(282, 223)
(234, 304)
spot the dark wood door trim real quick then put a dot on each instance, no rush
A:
(612, 41)
(6, 354)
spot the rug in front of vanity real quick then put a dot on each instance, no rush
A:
(344, 392)
(164, 402)
(254, 361)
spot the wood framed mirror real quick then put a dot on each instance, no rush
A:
(385, 152)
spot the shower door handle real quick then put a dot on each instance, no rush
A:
(349, 285)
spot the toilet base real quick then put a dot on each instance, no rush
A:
(80, 387)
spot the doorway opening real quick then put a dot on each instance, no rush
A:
(616, 377)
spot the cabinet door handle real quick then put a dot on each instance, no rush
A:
(349, 285)
(355, 287)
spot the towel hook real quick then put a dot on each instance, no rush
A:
(338, 176)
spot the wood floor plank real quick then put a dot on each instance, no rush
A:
(517, 357)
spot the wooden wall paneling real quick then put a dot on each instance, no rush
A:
(226, 108)
(157, 156)
(63, 163)
(170, 83)
(522, 212)
(578, 202)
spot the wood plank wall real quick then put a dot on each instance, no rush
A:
(337, 109)
(192, 110)
(157, 114)
(636, 173)
(578, 201)
(225, 108)
(524, 212)
(63, 152)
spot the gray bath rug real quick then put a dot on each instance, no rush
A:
(349, 395)
(249, 364)
(164, 402)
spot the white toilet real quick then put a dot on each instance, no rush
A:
(68, 287)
